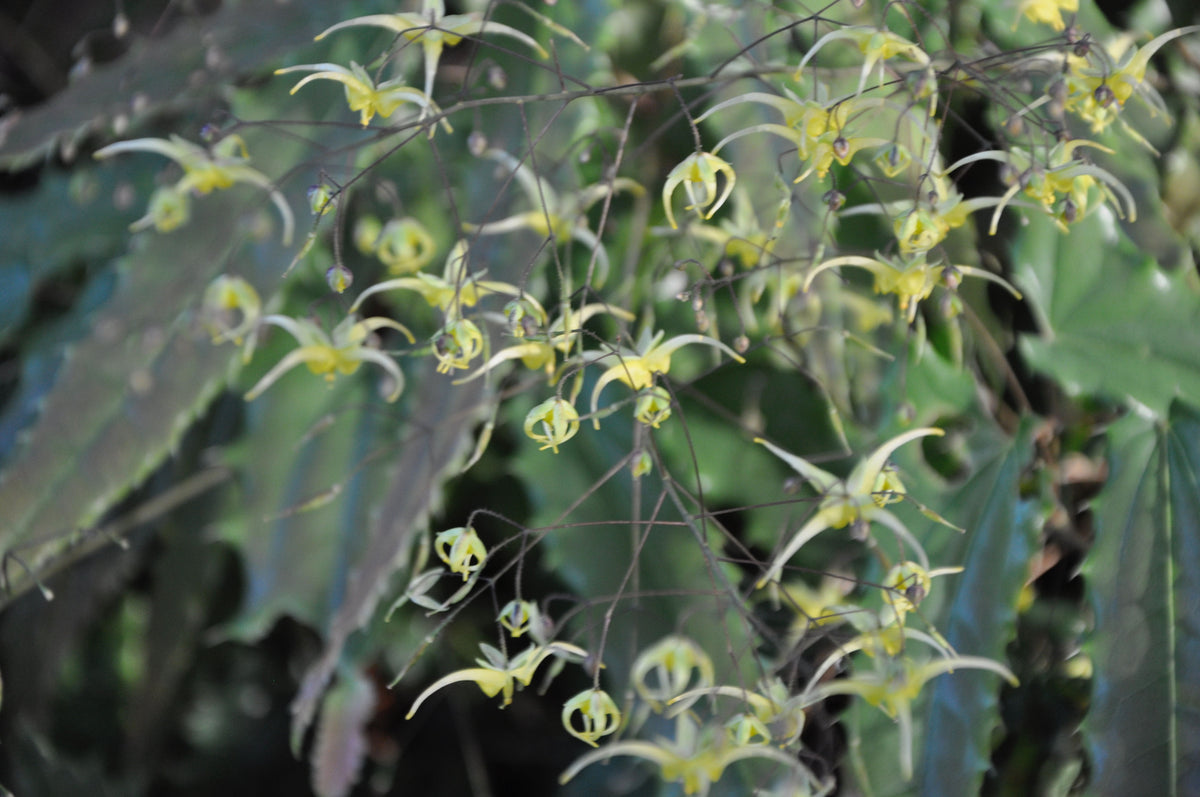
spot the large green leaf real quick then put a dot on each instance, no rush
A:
(126, 393)
(307, 484)
(188, 66)
(980, 619)
(1143, 728)
(975, 610)
(1111, 322)
(435, 444)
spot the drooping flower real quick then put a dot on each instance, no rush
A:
(637, 368)
(363, 94)
(1060, 183)
(860, 498)
(698, 756)
(226, 296)
(404, 246)
(670, 667)
(539, 350)
(204, 170)
(1097, 93)
(562, 218)
(461, 549)
(553, 422)
(451, 292)
(434, 29)
(877, 46)
(342, 350)
(457, 343)
(911, 279)
(895, 684)
(498, 675)
(698, 175)
(598, 715)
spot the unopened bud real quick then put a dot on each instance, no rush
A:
(339, 278)
(841, 148)
(1070, 211)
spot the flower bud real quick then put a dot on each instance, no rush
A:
(339, 278)
(518, 616)
(320, 199)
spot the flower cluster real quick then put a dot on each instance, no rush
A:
(862, 146)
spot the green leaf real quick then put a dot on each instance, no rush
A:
(1111, 322)
(342, 743)
(980, 619)
(601, 550)
(1143, 729)
(976, 611)
(305, 444)
(183, 69)
(125, 394)
(436, 442)
(96, 202)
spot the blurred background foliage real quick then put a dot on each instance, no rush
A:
(221, 569)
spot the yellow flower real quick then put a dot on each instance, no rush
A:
(747, 246)
(1049, 12)
(1062, 185)
(456, 344)
(204, 170)
(497, 675)
(169, 209)
(697, 757)
(597, 712)
(668, 668)
(553, 422)
(638, 368)
(1046, 11)
(433, 29)
(920, 225)
(819, 133)
(461, 549)
(698, 174)
(227, 295)
(341, 351)
(781, 712)
(1097, 94)
(451, 292)
(540, 350)
(653, 406)
(559, 218)
(517, 617)
(362, 93)
(911, 279)
(906, 585)
(366, 234)
(844, 502)
(404, 246)
(895, 684)
(876, 45)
